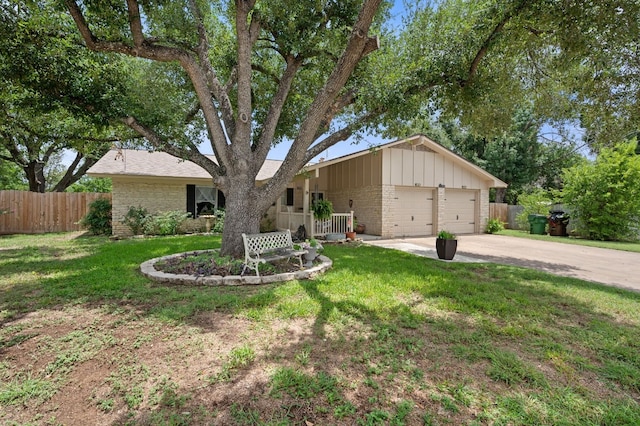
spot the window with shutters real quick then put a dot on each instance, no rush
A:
(203, 200)
(287, 199)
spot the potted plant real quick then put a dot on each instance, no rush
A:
(446, 245)
(313, 247)
(322, 209)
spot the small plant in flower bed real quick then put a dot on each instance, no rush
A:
(211, 263)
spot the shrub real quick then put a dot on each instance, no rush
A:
(98, 220)
(536, 202)
(494, 226)
(218, 226)
(164, 223)
(446, 235)
(604, 195)
(135, 219)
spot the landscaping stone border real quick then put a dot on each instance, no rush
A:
(150, 271)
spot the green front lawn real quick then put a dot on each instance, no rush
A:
(385, 337)
(633, 246)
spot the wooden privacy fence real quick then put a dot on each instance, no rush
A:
(35, 213)
(499, 211)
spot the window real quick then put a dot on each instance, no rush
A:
(203, 200)
(289, 197)
(286, 200)
(316, 196)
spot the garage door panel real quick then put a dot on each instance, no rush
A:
(460, 211)
(414, 211)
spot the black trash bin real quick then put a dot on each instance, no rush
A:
(558, 222)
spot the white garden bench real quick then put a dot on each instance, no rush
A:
(268, 246)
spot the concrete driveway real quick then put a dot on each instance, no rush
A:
(612, 267)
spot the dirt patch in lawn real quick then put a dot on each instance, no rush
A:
(121, 368)
(116, 365)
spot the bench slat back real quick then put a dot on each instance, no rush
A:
(268, 241)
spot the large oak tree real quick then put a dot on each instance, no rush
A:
(258, 73)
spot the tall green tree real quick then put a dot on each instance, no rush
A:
(604, 195)
(519, 156)
(55, 96)
(302, 73)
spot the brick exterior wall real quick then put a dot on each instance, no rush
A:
(387, 229)
(161, 196)
(484, 210)
(440, 204)
(155, 197)
(367, 204)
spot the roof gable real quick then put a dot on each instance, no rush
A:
(421, 142)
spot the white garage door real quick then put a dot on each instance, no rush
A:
(413, 212)
(460, 211)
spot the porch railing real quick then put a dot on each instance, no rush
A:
(339, 223)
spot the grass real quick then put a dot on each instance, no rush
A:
(633, 246)
(385, 337)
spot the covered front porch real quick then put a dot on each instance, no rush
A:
(294, 209)
(339, 223)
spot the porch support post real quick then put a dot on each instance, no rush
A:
(308, 218)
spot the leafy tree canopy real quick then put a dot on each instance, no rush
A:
(11, 177)
(55, 95)
(479, 61)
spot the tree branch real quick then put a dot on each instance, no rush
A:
(275, 109)
(245, 107)
(191, 115)
(196, 73)
(339, 136)
(265, 71)
(216, 88)
(135, 24)
(484, 48)
(357, 45)
(192, 154)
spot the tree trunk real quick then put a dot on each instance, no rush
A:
(242, 214)
(500, 194)
(35, 175)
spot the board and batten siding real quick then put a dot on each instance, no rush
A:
(404, 166)
(359, 172)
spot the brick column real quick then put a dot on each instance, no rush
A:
(440, 201)
(484, 210)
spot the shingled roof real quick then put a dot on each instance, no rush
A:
(131, 162)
